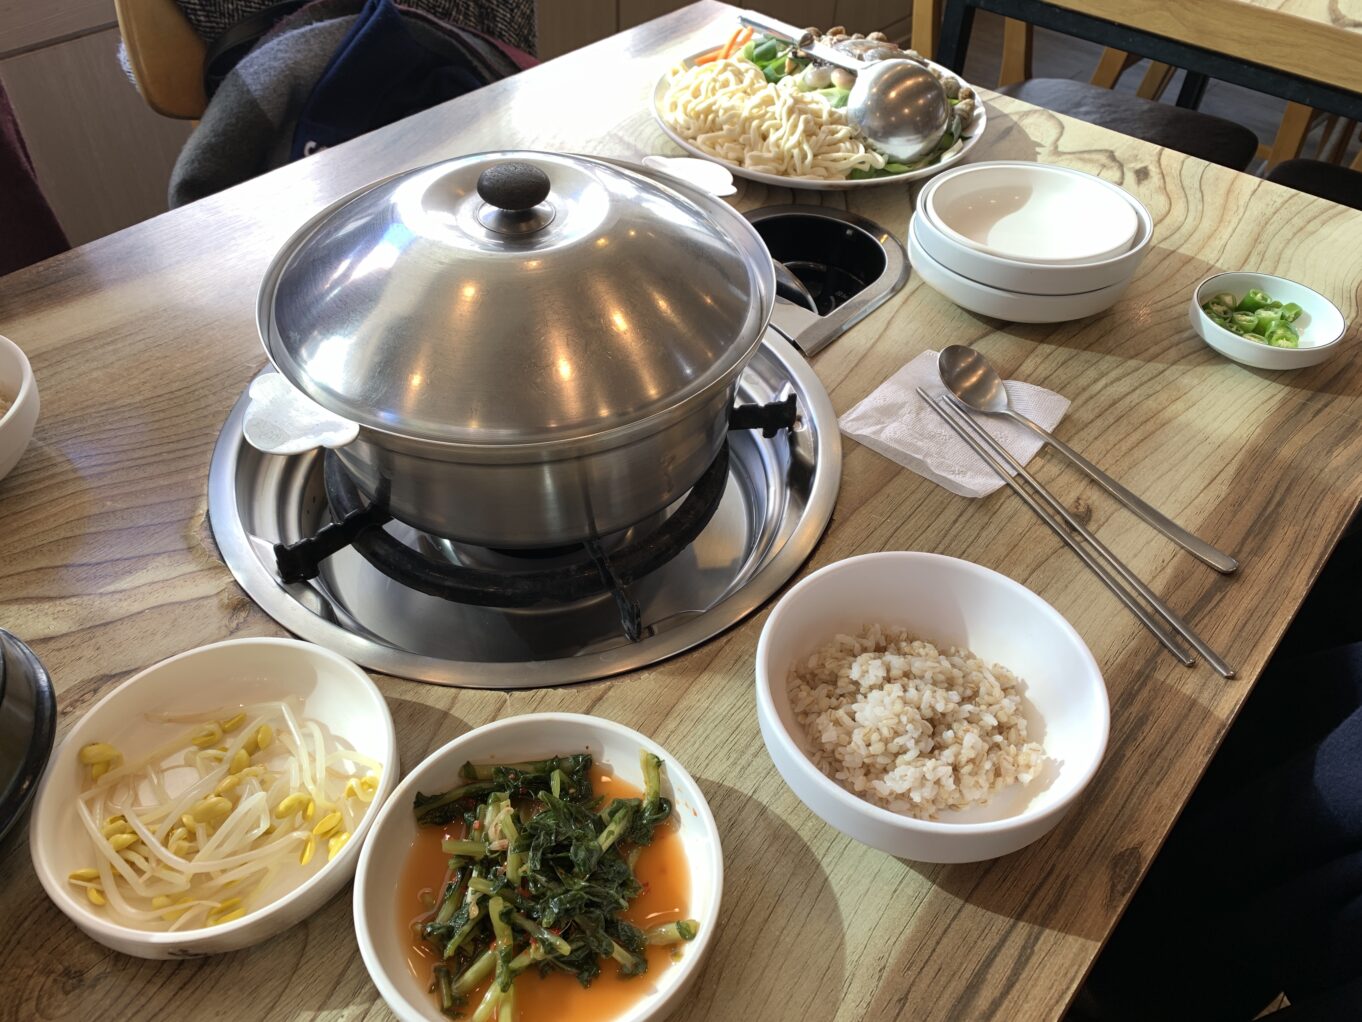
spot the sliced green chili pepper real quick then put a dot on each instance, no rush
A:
(1267, 319)
(1258, 338)
(1254, 300)
(1225, 298)
(1282, 336)
(1243, 322)
(1291, 312)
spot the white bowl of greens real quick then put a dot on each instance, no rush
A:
(461, 779)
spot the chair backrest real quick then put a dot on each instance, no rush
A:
(166, 55)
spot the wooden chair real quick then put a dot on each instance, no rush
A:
(1317, 177)
(1295, 124)
(166, 55)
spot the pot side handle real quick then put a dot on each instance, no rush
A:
(281, 419)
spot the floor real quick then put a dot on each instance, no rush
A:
(1059, 56)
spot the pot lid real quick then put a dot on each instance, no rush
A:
(28, 725)
(513, 298)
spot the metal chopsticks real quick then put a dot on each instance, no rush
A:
(982, 443)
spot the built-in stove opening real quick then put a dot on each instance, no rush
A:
(848, 264)
(835, 260)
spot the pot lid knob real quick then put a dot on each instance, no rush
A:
(514, 186)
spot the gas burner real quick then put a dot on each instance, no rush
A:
(522, 578)
(772, 501)
(775, 501)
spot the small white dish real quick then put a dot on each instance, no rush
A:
(334, 691)
(1321, 324)
(1012, 306)
(948, 602)
(1035, 278)
(703, 174)
(532, 736)
(1032, 212)
(19, 390)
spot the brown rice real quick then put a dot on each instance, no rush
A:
(909, 728)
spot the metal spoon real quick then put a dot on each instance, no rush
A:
(970, 377)
(897, 104)
(791, 288)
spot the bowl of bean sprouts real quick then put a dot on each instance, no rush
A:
(214, 799)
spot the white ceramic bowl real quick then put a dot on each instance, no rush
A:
(951, 603)
(1013, 306)
(20, 389)
(1031, 212)
(1034, 278)
(378, 923)
(334, 691)
(1320, 325)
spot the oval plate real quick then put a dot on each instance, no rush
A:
(975, 132)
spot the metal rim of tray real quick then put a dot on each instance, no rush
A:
(239, 554)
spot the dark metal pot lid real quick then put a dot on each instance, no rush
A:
(28, 727)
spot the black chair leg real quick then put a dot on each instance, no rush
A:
(957, 21)
(1193, 88)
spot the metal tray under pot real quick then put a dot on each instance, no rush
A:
(777, 497)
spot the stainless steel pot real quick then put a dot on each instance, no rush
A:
(513, 349)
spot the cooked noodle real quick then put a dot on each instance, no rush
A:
(728, 109)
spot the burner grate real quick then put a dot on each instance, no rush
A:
(361, 525)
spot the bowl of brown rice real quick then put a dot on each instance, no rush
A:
(928, 706)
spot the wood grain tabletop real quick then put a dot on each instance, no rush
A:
(142, 341)
(1316, 39)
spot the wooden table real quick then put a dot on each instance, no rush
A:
(143, 340)
(1306, 51)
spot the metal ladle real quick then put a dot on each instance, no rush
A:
(898, 105)
(970, 377)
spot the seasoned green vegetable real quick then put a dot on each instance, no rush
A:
(539, 880)
(1256, 317)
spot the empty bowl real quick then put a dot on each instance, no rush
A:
(1320, 325)
(18, 405)
(333, 691)
(1032, 212)
(381, 924)
(1035, 278)
(947, 602)
(1014, 306)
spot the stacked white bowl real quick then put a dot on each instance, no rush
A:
(1028, 242)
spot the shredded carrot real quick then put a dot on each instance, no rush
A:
(738, 38)
(707, 58)
(727, 51)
